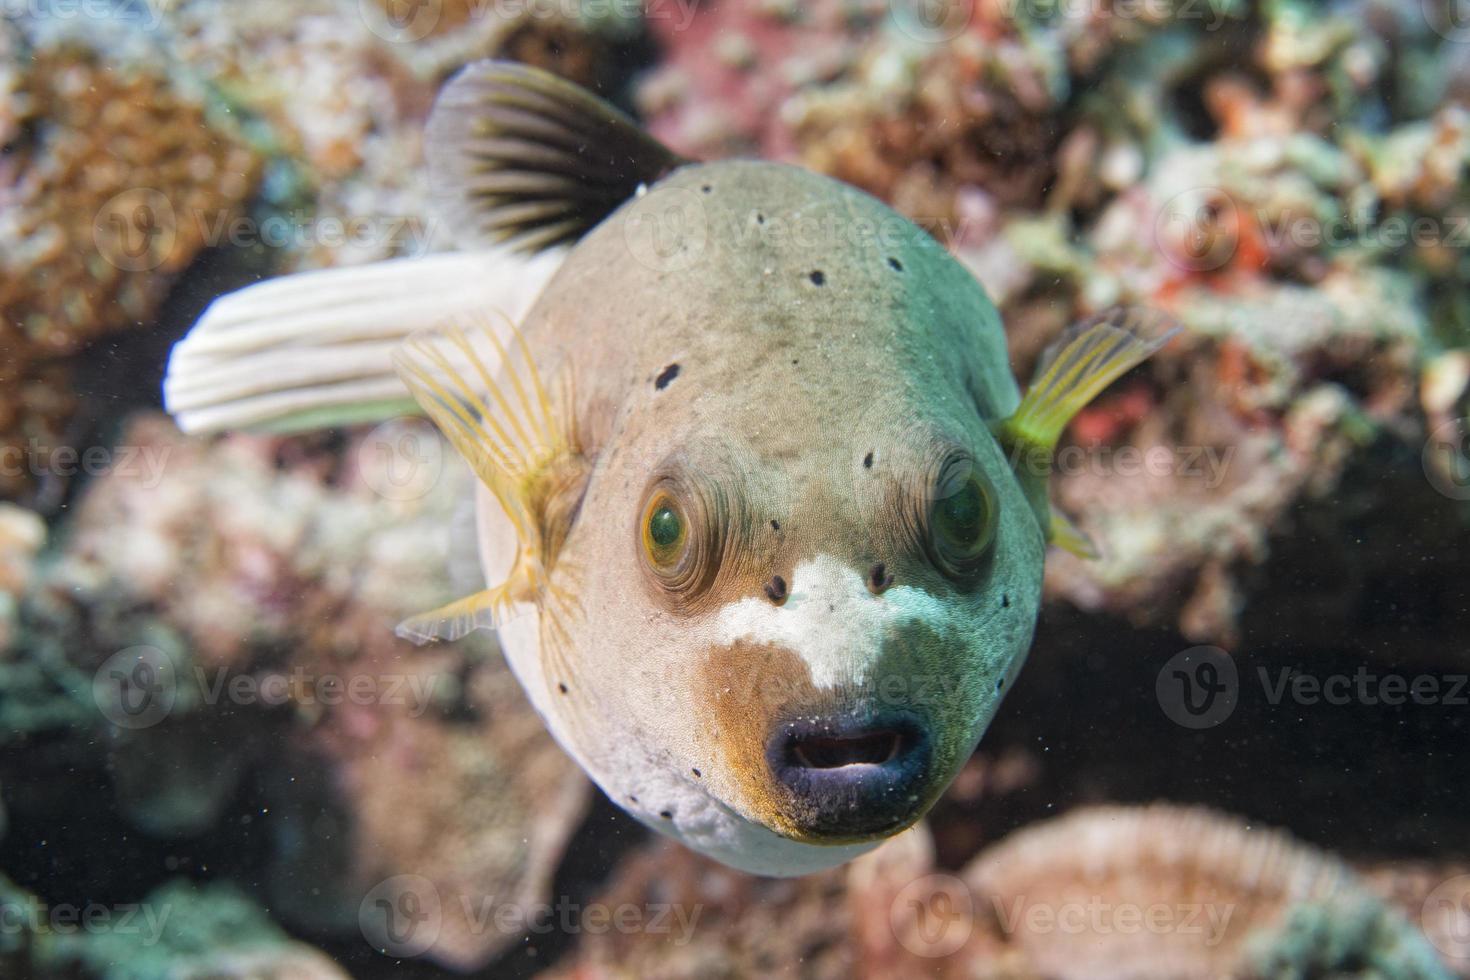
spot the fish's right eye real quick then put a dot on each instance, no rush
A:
(665, 532)
(680, 533)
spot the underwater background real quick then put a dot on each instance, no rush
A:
(1239, 747)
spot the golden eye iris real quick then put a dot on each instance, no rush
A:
(962, 524)
(665, 531)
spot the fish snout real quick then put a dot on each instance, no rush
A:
(853, 776)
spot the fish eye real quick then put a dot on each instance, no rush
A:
(961, 521)
(665, 531)
(681, 536)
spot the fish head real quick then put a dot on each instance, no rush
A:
(808, 570)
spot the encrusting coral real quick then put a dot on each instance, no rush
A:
(112, 175)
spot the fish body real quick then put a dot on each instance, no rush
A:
(815, 384)
(761, 509)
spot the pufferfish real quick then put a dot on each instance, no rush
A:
(761, 510)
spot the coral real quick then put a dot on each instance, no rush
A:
(1169, 891)
(178, 932)
(1101, 892)
(112, 174)
(259, 580)
(974, 125)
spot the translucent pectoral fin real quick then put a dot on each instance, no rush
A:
(486, 610)
(1069, 537)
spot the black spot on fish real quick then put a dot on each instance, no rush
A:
(706, 188)
(633, 799)
(697, 773)
(1000, 683)
(894, 264)
(776, 589)
(775, 525)
(868, 460)
(818, 277)
(665, 376)
(760, 219)
(666, 814)
(879, 579)
(562, 688)
(1005, 601)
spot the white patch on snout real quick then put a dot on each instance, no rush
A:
(830, 619)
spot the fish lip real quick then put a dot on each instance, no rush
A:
(854, 776)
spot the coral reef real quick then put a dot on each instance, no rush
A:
(276, 667)
(177, 932)
(113, 172)
(1100, 892)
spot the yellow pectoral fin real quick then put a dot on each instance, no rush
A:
(1068, 536)
(1089, 357)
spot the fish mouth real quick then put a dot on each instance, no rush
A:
(851, 778)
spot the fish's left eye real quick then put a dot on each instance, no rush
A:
(962, 523)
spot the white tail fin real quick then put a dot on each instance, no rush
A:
(314, 350)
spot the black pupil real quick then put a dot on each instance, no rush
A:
(663, 527)
(962, 514)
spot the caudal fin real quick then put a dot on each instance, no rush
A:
(314, 350)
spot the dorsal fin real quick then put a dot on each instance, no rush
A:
(519, 155)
